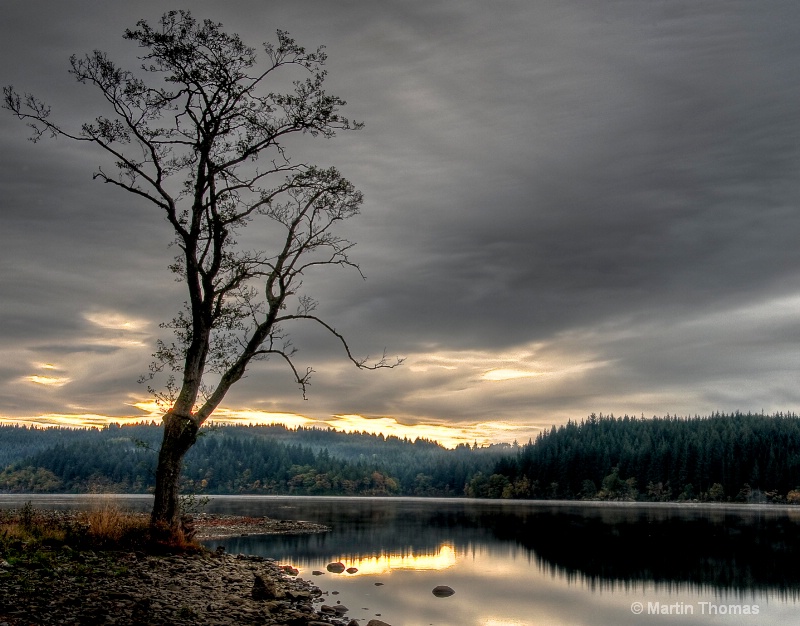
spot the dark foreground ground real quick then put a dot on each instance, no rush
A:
(61, 585)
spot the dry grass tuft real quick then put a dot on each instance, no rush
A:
(108, 524)
(14, 530)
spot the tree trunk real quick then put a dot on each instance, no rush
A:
(180, 433)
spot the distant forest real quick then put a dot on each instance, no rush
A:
(725, 458)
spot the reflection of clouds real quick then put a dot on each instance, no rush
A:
(443, 558)
(498, 582)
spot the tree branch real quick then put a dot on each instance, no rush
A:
(382, 363)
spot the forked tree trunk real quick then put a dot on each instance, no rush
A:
(180, 433)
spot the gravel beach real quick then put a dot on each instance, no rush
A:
(65, 586)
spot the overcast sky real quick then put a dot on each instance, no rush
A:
(571, 207)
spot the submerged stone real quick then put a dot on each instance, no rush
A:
(443, 591)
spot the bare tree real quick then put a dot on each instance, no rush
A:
(205, 142)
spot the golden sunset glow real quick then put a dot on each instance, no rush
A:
(467, 367)
(50, 381)
(482, 433)
(448, 396)
(154, 411)
(508, 374)
(246, 416)
(117, 342)
(442, 559)
(448, 436)
(113, 320)
(75, 420)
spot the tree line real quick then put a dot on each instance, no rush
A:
(723, 457)
(239, 460)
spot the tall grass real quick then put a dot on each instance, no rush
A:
(106, 525)
(29, 526)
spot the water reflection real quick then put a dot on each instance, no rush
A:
(726, 549)
(605, 547)
(530, 563)
(386, 563)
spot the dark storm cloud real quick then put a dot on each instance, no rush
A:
(612, 187)
(668, 184)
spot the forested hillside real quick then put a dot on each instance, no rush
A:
(240, 459)
(738, 457)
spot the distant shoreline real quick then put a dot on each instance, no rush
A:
(142, 501)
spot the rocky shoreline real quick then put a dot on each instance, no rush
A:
(64, 586)
(214, 526)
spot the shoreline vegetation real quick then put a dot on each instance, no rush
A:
(739, 458)
(103, 566)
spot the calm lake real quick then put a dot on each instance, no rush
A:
(529, 563)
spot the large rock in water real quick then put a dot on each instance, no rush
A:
(377, 622)
(335, 568)
(443, 591)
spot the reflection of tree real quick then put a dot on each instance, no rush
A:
(724, 551)
(602, 546)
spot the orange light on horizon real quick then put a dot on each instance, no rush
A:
(249, 416)
(68, 420)
(447, 435)
(443, 558)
